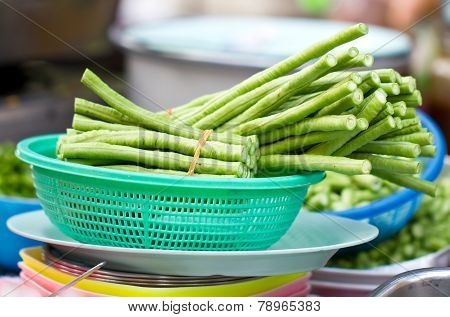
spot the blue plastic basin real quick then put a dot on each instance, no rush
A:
(392, 213)
(10, 243)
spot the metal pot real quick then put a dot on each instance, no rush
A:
(432, 282)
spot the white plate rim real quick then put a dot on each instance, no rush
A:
(11, 226)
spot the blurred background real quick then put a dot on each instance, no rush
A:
(163, 53)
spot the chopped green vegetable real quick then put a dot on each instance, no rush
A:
(427, 232)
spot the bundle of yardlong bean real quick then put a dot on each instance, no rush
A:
(321, 117)
(124, 145)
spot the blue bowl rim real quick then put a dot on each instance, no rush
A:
(19, 200)
(431, 172)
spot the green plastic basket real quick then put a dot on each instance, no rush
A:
(126, 209)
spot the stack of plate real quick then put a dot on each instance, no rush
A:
(54, 258)
(48, 276)
(150, 272)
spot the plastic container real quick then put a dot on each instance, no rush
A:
(124, 209)
(392, 213)
(11, 243)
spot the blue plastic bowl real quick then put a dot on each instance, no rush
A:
(392, 213)
(10, 243)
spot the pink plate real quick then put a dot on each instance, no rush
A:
(15, 287)
(302, 293)
(29, 281)
(288, 289)
(51, 286)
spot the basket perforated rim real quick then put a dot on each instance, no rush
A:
(31, 151)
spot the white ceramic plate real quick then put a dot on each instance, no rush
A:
(311, 241)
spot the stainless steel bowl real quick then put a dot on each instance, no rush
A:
(175, 60)
(431, 282)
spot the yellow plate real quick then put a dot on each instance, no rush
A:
(33, 257)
